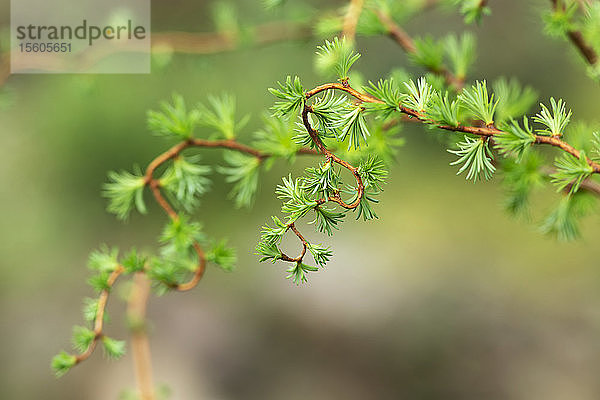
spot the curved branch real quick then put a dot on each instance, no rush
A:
(328, 154)
(285, 257)
(485, 131)
(155, 187)
(99, 320)
(335, 198)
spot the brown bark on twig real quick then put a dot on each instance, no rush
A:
(407, 44)
(577, 39)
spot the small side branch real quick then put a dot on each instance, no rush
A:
(155, 186)
(399, 35)
(485, 131)
(285, 257)
(577, 39)
(99, 320)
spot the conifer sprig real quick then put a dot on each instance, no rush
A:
(571, 171)
(291, 94)
(338, 55)
(182, 260)
(481, 118)
(475, 157)
(84, 340)
(478, 102)
(516, 140)
(425, 104)
(555, 121)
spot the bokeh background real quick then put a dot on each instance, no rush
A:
(445, 296)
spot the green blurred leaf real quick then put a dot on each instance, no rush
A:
(221, 116)
(429, 53)
(62, 363)
(242, 170)
(336, 56)
(82, 338)
(123, 192)
(222, 255)
(185, 181)
(173, 120)
(113, 349)
(104, 259)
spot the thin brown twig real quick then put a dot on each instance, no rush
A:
(173, 153)
(155, 186)
(100, 310)
(484, 131)
(329, 156)
(587, 184)
(474, 130)
(351, 18)
(285, 257)
(407, 44)
(577, 39)
(489, 131)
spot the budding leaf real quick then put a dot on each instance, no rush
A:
(419, 94)
(298, 272)
(104, 259)
(516, 140)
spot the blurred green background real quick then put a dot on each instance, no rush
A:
(444, 296)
